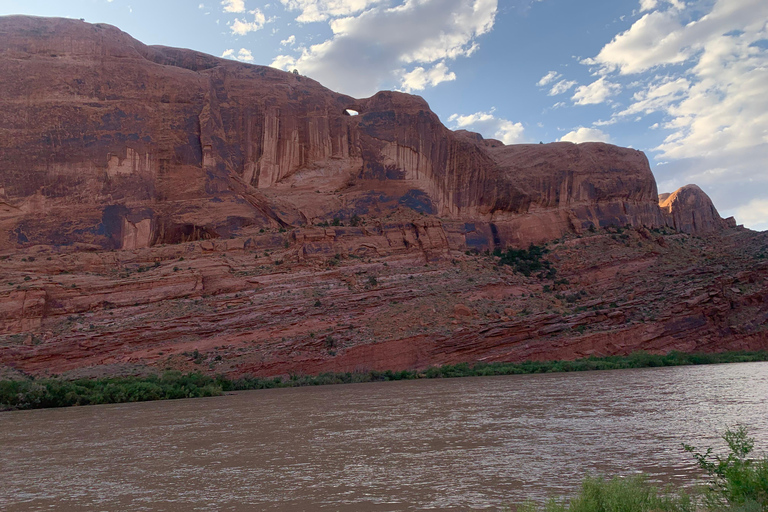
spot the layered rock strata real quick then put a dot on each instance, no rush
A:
(162, 208)
(240, 307)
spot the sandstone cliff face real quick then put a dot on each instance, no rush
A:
(111, 142)
(690, 210)
(157, 203)
(268, 305)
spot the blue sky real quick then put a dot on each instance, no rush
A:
(686, 82)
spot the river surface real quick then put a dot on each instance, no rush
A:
(450, 444)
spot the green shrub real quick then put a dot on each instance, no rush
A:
(737, 481)
(527, 262)
(33, 394)
(632, 494)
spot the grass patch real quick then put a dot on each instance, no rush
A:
(737, 483)
(632, 494)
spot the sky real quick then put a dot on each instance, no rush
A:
(684, 81)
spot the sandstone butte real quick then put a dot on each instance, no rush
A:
(162, 208)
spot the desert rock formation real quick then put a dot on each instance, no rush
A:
(110, 142)
(157, 203)
(690, 210)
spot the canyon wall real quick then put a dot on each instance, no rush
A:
(165, 209)
(113, 143)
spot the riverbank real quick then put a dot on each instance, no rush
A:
(736, 482)
(46, 393)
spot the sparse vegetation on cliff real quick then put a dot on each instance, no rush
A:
(527, 261)
(43, 393)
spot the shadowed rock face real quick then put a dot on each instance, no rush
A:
(111, 142)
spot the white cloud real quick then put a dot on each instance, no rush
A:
(596, 92)
(291, 40)
(648, 5)
(658, 95)
(374, 43)
(321, 10)
(233, 5)
(754, 214)
(243, 55)
(548, 78)
(490, 126)
(242, 27)
(419, 78)
(583, 134)
(724, 75)
(606, 122)
(703, 69)
(561, 87)
(285, 62)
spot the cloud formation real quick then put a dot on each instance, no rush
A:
(233, 5)
(583, 134)
(561, 87)
(548, 78)
(419, 78)
(243, 55)
(490, 126)
(242, 27)
(321, 10)
(707, 77)
(596, 92)
(754, 214)
(376, 45)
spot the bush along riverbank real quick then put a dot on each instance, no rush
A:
(736, 482)
(42, 393)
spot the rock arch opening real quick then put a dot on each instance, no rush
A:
(351, 112)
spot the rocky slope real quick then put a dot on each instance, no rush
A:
(164, 208)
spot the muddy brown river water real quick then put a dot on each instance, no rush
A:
(451, 444)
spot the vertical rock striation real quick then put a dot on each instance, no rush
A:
(110, 142)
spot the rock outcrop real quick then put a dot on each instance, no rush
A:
(690, 210)
(110, 142)
(161, 208)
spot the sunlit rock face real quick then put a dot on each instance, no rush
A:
(690, 210)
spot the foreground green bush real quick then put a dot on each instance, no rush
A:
(737, 483)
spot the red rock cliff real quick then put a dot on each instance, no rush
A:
(690, 210)
(111, 142)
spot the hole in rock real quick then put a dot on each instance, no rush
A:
(351, 112)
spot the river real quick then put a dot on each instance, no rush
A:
(444, 444)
